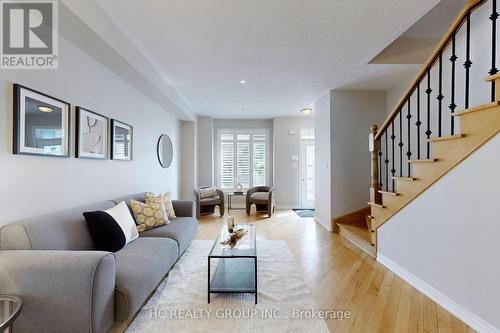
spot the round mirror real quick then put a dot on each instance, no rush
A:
(165, 151)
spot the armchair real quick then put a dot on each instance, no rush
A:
(263, 199)
(206, 206)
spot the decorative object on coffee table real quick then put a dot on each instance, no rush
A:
(10, 307)
(236, 270)
(234, 237)
(230, 223)
(41, 124)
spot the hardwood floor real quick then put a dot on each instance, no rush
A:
(342, 277)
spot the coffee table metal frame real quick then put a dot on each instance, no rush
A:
(236, 271)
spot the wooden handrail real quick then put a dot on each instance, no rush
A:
(441, 46)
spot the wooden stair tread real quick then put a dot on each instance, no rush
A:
(359, 228)
(405, 179)
(373, 204)
(477, 108)
(492, 77)
(430, 160)
(389, 193)
(445, 138)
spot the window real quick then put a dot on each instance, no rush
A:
(242, 156)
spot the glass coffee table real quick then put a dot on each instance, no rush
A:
(236, 270)
(10, 306)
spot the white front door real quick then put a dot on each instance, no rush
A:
(307, 174)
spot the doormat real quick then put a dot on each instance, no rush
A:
(304, 212)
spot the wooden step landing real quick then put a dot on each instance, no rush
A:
(357, 232)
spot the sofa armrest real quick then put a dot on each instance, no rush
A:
(183, 208)
(60, 290)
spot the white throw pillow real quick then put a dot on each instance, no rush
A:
(122, 216)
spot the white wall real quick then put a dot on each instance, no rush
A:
(188, 160)
(205, 149)
(395, 93)
(353, 112)
(287, 172)
(323, 202)
(33, 185)
(447, 238)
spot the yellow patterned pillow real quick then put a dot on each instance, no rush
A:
(169, 207)
(149, 215)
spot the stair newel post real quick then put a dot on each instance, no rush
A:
(375, 195)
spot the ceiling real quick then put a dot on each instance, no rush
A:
(289, 52)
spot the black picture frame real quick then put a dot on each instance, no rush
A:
(78, 153)
(115, 123)
(18, 147)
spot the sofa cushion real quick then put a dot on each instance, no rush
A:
(111, 229)
(149, 215)
(167, 199)
(140, 267)
(181, 229)
(259, 197)
(62, 230)
(208, 192)
(210, 201)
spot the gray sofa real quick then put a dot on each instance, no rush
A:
(66, 286)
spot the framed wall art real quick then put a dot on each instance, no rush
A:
(41, 124)
(92, 137)
(122, 141)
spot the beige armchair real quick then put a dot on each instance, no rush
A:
(263, 199)
(206, 206)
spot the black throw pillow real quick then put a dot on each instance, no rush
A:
(105, 231)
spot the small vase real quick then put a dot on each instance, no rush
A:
(230, 224)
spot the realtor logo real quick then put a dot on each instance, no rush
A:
(29, 34)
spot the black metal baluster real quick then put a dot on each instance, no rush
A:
(428, 91)
(380, 183)
(467, 63)
(386, 162)
(440, 94)
(453, 105)
(494, 69)
(393, 170)
(408, 153)
(418, 123)
(400, 144)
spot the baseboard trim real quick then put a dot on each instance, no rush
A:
(471, 319)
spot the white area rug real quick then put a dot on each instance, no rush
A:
(180, 303)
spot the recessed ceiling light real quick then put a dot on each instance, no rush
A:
(45, 108)
(243, 81)
(306, 111)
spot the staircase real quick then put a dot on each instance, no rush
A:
(413, 149)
